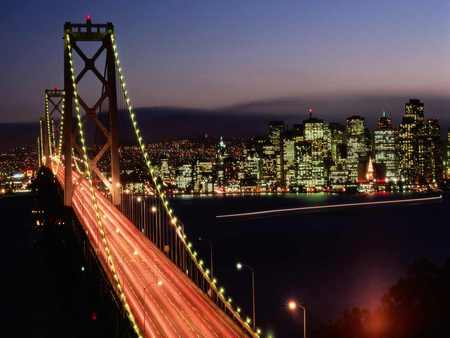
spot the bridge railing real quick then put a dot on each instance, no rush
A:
(148, 214)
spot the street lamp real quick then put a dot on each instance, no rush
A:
(239, 267)
(210, 253)
(292, 306)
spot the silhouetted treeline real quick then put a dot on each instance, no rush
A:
(417, 306)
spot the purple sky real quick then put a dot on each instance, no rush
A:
(215, 53)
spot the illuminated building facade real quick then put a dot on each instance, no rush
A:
(357, 146)
(304, 169)
(184, 178)
(317, 133)
(385, 148)
(448, 156)
(420, 147)
(273, 166)
(221, 156)
(338, 151)
(433, 153)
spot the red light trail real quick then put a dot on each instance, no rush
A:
(164, 301)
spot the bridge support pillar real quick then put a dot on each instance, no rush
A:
(106, 128)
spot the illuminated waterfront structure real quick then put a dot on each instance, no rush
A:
(385, 148)
(357, 146)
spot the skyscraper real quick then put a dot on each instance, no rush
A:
(221, 154)
(385, 147)
(420, 147)
(317, 133)
(273, 166)
(357, 146)
(433, 153)
(448, 156)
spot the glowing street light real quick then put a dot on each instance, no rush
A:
(239, 267)
(292, 306)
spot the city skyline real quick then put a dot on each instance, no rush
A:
(211, 55)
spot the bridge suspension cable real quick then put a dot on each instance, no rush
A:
(174, 222)
(88, 175)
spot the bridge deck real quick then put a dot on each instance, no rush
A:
(164, 301)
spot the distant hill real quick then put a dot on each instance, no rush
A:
(247, 119)
(169, 123)
(161, 124)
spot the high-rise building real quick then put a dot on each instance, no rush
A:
(184, 177)
(221, 155)
(357, 146)
(448, 156)
(273, 166)
(251, 168)
(433, 153)
(414, 110)
(203, 177)
(420, 147)
(304, 160)
(289, 162)
(317, 133)
(385, 147)
(338, 150)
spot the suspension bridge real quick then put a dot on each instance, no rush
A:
(162, 285)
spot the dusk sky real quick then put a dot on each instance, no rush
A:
(210, 54)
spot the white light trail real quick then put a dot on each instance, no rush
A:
(331, 206)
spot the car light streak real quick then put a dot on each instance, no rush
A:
(331, 206)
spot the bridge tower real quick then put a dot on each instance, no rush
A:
(101, 35)
(54, 103)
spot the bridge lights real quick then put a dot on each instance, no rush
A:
(153, 209)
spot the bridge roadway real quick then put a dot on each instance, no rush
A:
(164, 301)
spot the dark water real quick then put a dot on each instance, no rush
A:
(330, 260)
